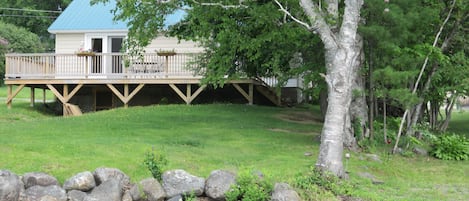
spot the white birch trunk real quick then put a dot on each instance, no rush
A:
(341, 56)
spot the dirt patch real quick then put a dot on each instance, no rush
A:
(281, 130)
(300, 117)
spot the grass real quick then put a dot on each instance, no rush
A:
(202, 138)
(198, 138)
(459, 122)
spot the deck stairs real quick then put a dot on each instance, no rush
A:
(269, 92)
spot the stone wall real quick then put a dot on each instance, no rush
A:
(110, 184)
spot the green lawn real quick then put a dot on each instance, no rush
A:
(460, 122)
(202, 138)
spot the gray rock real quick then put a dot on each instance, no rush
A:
(283, 192)
(103, 174)
(420, 151)
(153, 189)
(371, 177)
(127, 196)
(10, 186)
(218, 183)
(366, 175)
(176, 198)
(373, 157)
(45, 193)
(110, 190)
(75, 195)
(179, 182)
(38, 178)
(135, 192)
(83, 181)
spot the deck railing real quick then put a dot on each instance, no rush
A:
(98, 66)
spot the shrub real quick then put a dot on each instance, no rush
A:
(155, 161)
(451, 147)
(249, 187)
(317, 182)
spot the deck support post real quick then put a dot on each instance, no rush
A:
(12, 94)
(64, 107)
(188, 93)
(189, 96)
(9, 91)
(126, 97)
(33, 99)
(126, 94)
(251, 94)
(43, 96)
(66, 95)
(247, 95)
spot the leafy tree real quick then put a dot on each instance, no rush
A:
(35, 16)
(336, 25)
(19, 40)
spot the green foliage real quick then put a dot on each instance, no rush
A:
(19, 40)
(249, 187)
(155, 162)
(256, 40)
(451, 147)
(190, 197)
(316, 181)
(28, 16)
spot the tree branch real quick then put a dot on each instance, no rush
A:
(319, 24)
(240, 5)
(284, 10)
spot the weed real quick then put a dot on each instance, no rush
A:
(190, 197)
(317, 182)
(249, 187)
(155, 161)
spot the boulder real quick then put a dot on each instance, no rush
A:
(127, 196)
(83, 181)
(38, 178)
(103, 174)
(134, 191)
(373, 157)
(153, 189)
(176, 198)
(179, 182)
(10, 186)
(109, 190)
(45, 193)
(283, 192)
(218, 183)
(75, 195)
(420, 151)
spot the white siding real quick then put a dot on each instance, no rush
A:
(171, 43)
(68, 43)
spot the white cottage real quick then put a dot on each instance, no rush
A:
(88, 70)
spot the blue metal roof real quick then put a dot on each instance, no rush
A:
(80, 15)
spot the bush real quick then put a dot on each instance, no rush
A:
(317, 182)
(155, 162)
(451, 147)
(249, 187)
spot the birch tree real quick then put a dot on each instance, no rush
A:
(342, 57)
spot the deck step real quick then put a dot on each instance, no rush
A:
(72, 110)
(270, 94)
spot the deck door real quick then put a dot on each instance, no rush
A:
(97, 61)
(116, 59)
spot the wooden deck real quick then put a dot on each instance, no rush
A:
(66, 74)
